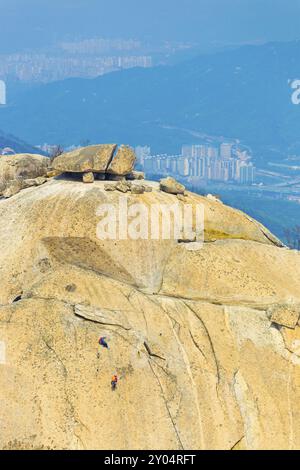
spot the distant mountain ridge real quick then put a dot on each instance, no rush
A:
(243, 93)
(19, 146)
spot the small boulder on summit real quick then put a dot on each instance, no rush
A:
(110, 187)
(88, 177)
(123, 186)
(137, 189)
(171, 186)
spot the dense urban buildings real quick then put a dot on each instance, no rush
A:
(224, 163)
(88, 58)
(44, 68)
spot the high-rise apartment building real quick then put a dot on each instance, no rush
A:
(194, 151)
(226, 150)
(183, 166)
(212, 152)
(247, 173)
(2, 93)
(141, 153)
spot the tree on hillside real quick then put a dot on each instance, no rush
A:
(293, 237)
(56, 151)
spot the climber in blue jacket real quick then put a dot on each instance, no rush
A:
(102, 342)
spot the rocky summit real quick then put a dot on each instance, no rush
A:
(97, 159)
(202, 337)
(103, 161)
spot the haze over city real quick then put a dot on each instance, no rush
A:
(205, 22)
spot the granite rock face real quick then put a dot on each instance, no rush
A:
(204, 338)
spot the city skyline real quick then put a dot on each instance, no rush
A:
(40, 68)
(222, 163)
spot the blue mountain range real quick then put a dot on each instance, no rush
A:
(243, 94)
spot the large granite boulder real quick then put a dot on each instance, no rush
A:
(95, 158)
(22, 166)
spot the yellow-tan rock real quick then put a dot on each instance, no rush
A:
(123, 162)
(94, 158)
(88, 177)
(201, 363)
(286, 315)
(171, 186)
(11, 188)
(22, 166)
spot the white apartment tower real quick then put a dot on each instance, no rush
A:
(225, 151)
(142, 153)
(2, 93)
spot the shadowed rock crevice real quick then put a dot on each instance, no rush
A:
(181, 446)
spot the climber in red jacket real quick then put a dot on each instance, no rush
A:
(114, 382)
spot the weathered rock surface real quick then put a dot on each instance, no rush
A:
(101, 159)
(33, 182)
(52, 173)
(88, 177)
(287, 315)
(171, 186)
(191, 331)
(94, 158)
(137, 189)
(22, 166)
(110, 187)
(123, 186)
(13, 187)
(123, 162)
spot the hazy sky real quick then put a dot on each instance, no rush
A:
(29, 23)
